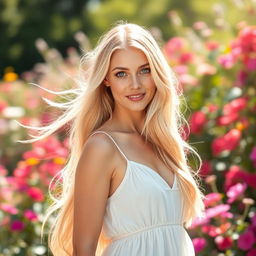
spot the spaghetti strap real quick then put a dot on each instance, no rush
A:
(113, 142)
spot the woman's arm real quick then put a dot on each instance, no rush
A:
(92, 183)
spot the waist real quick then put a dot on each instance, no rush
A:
(115, 238)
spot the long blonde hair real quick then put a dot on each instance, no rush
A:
(93, 105)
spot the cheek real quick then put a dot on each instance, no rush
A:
(150, 83)
(117, 88)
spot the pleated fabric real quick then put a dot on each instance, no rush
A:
(144, 215)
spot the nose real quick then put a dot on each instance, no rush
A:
(135, 83)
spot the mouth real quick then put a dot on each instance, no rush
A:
(136, 97)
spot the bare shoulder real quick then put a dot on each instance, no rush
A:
(91, 190)
(99, 145)
(99, 150)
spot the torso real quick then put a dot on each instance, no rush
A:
(136, 149)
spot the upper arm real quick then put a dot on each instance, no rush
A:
(92, 183)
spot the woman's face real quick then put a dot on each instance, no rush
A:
(129, 78)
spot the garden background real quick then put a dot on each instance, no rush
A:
(211, 45)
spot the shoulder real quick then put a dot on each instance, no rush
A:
(100, 143)
(99, 148)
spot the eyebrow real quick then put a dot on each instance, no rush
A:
(124, 68)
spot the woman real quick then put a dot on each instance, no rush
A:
(127, 188)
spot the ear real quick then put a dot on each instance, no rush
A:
(106, 82)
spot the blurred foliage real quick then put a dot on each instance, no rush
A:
(24, 21)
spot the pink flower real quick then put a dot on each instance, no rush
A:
(3, 171)
(215, 211)
(198, 222)
(9, 208)
(227, 60)
(241, 77)
(199, 244)
(246, 240)
(30, 215)
(188, 79)
(174, 45)
(37, 152)
(212, 45)
(246, 40)
(50, 168)
(235, 191)
(212, 108)
(180, 69)
(185, 58)
(211, 230)
(227, 142)
(22, 172)
(223, 243)
(197, 121)
(253, 220)
(36, 194)
(199, 25)
(17, 225)
(3, 105)
(212, 198)
(250, 64)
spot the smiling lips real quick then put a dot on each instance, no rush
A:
(136, 97)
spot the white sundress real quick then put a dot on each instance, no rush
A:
(144, 215)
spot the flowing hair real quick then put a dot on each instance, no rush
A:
(93, 105)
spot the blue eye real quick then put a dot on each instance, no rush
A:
(145, 70)
(120, 74)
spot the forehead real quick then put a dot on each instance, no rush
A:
(128, 57)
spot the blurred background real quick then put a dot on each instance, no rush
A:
(211, 46)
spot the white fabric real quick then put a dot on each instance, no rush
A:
(143, 216)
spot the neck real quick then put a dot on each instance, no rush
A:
(129, 122)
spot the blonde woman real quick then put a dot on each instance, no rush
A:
(127, 188)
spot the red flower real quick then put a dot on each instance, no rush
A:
(227, 142)
(228, 119)
(206, 169)
(252, 252)
(197, 121)
(36, 194)
(235, 106)
(233, 175)
(223, 243)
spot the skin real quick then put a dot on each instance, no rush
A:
(101, 167)
(126, 77)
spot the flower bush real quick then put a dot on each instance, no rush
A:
(218, 81)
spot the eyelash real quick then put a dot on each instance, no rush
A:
(122, 72)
